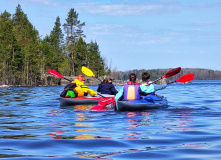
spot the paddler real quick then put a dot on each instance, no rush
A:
(106, 86)
(81, 88)
(77, 89)
(130, 90)
(147, 87)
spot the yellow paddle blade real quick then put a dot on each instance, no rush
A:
(87, 71)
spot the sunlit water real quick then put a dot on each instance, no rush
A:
(33, 125)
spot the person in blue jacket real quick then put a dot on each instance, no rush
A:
(106, 86)
(147, 87)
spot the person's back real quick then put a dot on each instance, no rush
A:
(147, 87)
(106, 87)
(130, 90)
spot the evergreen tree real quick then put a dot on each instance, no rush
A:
(73, 29)
(80, 56)
(25, 58)
(27, 37)
(95, 61)
(8, 50)
(56, 46)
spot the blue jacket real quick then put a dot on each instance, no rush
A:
(107, 88)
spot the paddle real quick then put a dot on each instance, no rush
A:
(185, 78)
(88, 72)
(103, 103)
(170, 73)
(56, 74)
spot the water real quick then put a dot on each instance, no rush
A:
(34, 126)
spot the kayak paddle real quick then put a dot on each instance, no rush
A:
(170, 73)
(56, 74)
(88, 72)
(103, 103)
(185, 78)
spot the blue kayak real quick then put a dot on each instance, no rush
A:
(145, 103)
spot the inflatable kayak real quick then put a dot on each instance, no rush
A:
(82, 100)
(147, 102)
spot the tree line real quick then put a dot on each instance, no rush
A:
(199, 74)
(25, 58)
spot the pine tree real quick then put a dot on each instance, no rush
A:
(8, 49)
(81, 53)
(73, 29)
(28, 38)
(94, 59)
(56, 45)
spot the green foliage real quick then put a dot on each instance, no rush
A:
(25, 58)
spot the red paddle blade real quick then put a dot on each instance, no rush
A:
(106, 101)
(172, 72)
(54, 73)
(97, 108)
(186, 78)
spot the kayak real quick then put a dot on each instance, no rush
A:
(82, 100)
(145, 103)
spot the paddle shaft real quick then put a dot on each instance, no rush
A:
(68, 79)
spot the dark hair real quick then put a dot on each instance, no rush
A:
(145, 76)
(105, 81)
(132, 77)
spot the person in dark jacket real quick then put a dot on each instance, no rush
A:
(106, 86)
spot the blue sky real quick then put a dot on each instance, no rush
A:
(139, 34)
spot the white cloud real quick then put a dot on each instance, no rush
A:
(45, 2)
(204, 24)
(122, 9)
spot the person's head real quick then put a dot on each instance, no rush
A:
(109, 78)
(104, 81)
(145, 76)
(132, 78)
(81, 78)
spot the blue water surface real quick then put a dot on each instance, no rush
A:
(34, 126)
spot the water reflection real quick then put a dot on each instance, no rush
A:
(81, 122)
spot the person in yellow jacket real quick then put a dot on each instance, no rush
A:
(82, 89)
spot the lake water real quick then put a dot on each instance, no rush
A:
(34, 126)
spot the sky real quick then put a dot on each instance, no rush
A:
(138, 34)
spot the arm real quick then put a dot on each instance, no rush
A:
(113, 90)
(119, 94)
(145, 90)
(159, 86)
(99, 88)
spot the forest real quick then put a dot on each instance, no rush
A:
(199, 74)
(25, 58)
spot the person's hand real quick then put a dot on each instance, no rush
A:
(164, 80)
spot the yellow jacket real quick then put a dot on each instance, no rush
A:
(81, 89)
